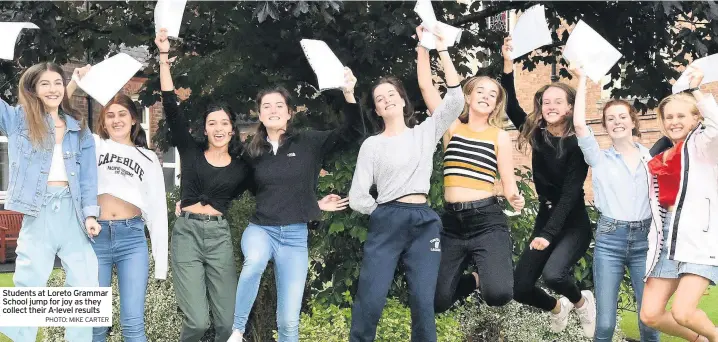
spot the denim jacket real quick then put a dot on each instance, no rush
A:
(30, 165)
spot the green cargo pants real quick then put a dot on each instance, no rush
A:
(204, 276)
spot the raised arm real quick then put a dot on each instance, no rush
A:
(351, 129)
(706, 139)
(431, 95)
(571, 191)
(586, 140)
(9, 116)
(453, 103)
(77, 74)
(360, 199)
(177, 122)
(516, 114)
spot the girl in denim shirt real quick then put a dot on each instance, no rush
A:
(620, 183)
(53, 182)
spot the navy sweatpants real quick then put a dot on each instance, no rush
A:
(406, 231)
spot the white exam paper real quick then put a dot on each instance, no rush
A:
(530, 32)
(108, 77)
(585, 47)
(451, 34)
(8, 38)
(709, 67)
(328, 68)
(168, 15)
(426, 12)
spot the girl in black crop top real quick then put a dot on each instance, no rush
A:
(562, 231)
(213, 174)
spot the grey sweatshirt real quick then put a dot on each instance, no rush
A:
(401, 165)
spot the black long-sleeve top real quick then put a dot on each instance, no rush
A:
(201, 182)
(558, 179)
(286, 182)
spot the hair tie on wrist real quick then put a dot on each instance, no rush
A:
(690, 90)
(164, 52)
(440, 51)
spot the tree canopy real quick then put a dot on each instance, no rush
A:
(230, 50)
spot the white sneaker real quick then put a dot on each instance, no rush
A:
(559, 321)
(236, 336)
(587, 314)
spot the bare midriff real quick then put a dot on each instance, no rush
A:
(113, 208)
(455, 194)
(415, 198)
(198, 208)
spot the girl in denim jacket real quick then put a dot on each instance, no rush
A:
(53, 182)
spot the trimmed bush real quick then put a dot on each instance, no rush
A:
(332, 323)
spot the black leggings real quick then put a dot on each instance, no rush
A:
(555, 263)
(482, 235)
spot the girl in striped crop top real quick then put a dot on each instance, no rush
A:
(475, 150)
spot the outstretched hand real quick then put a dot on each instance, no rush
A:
(695, 76)
(577, 70)
(333, 202)
(79, 73)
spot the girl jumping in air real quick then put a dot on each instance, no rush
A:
(131, 192)
(399, 162)
(682, 255)
(213, 174)
(562, 232)
(620, 183)
(286, 165)
(53, 182)
(476, 150)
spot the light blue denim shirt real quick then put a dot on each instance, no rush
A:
(30, 165)
(619, 193)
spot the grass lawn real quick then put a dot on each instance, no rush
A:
(709, 304)
(6, 281)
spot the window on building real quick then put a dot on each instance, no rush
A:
(171, 168)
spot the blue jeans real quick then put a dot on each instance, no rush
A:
(123, 243)
(56, 230)
(287, 246)
(619, 245)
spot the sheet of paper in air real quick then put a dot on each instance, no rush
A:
(428, 20)
(8, 38)
(328, 68)
(168, 14)
(426, 12)
(106, 78)
(530, 32)
(587, 48)
(709, 67)
(452, 35)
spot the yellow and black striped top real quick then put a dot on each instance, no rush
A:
(470, 158)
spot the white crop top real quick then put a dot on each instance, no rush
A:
(134, 175)
(57, 167)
